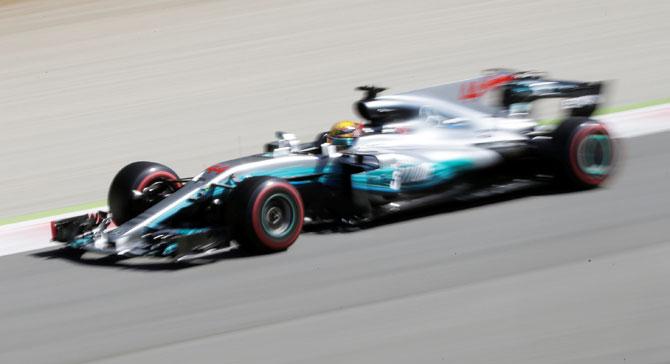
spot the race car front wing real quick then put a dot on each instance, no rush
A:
(88, 233)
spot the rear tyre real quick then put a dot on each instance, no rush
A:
(123, 200)
(586, 153)
(268, 216)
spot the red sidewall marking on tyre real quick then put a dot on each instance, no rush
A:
(577, 139)
(148, 180)
(256, 215)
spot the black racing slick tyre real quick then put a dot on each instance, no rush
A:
(586, 153)
(125, 199)
(268, 214)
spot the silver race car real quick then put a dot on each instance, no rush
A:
(425, 146)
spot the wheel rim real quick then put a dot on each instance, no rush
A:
(278, 215)
(594, 155)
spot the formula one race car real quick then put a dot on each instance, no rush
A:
(420, 147)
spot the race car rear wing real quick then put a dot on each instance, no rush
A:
(510, 90)
(580, 98)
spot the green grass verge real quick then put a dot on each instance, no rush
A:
(59, 211)
(93, 205)
(637, 105)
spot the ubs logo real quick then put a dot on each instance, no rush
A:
(476, 89)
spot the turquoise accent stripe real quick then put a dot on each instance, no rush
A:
(81, 242)
(380, 180)
(156, 224)
(170, 249)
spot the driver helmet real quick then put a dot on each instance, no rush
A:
(343, 134)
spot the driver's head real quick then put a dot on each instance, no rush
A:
(343, 134)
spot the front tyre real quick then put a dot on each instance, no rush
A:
(586, 153)
(269, 214)
(129, 193)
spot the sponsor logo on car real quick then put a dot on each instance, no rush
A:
(410, 174)
(217, 168)
(476, 89)
(578, 102)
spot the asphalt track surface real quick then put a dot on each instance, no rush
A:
(553, 278)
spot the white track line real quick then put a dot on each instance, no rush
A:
(638, 122)
(31, 235)
(34, 234)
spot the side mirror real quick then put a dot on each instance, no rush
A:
(286, 140)
(282, 135)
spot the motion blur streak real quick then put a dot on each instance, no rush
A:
(86, 87)
(30, 235)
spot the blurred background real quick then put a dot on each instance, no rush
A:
(89, 86)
